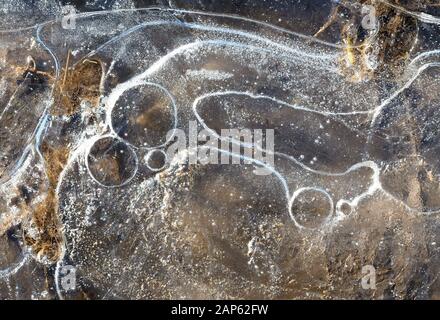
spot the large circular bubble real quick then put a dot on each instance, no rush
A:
(311, 207)
(143, 115)
(111, 162)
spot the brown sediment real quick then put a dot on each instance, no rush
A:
(46, 238)
(385, 52)
(80, 82)
(149, 117)
(392, 44)
(396, 37)
(43, 233)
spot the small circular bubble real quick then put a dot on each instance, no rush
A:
(156, 160)
(344, 207)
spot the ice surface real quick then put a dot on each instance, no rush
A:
(87, 113)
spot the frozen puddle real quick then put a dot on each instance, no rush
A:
(136, 223)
